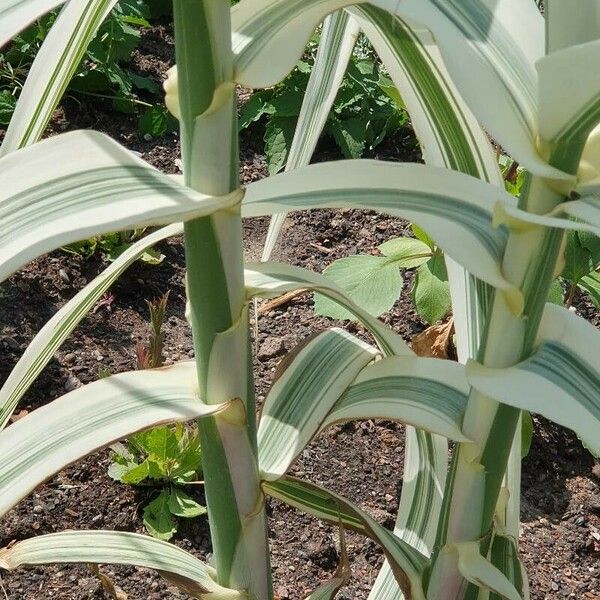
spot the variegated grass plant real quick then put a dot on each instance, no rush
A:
(533, 84)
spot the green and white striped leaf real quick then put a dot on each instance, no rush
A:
(569, 101)
(586, 210)
(15, 15)
(329, 589)
(336, 43)
(52, 69)
(567, 27)
(58, 328)
(268, 280)
(91, 417)
(490, 48)
(119, 548)
(426, 455)
(588, 175)
(80, 184)
(423, 480)
(449, 136)
(481, 572)
(453, 208)
(407, 563)
(301, 397)
(448, 133)
(504, 555)
(427, 393)
(559, 381)
(269, 37)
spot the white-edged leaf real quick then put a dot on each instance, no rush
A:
(269, 37)
(91, 417)
(588, 175)
(15, 15)
(58, 328)
(559, 381)
(406, 562)
(490, 48)
(480, 571)
(448, 133)
(449, 136)
(336, 42)
(302, 396)
(569, 99)
(372, 282)
(338, 37)
(54, 65)
(267, 280)
(452, 207)
(423, 481)
(80, 184)
(426, 455)
(586, 210)
(427, 393)
(485, 45)
(119, 548)
(504, 555)
(567, 27)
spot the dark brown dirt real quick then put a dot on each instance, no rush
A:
(560, 538)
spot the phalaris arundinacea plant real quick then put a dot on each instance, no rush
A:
(530, 81)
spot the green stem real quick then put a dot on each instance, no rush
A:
(216, 296)
(478, 468)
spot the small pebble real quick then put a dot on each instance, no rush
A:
(72, 383)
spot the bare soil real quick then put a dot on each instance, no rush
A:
(560, 536)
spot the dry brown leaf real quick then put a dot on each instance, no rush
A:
(435, 341)
(107, 585)
(15, 417)
(280, 301)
